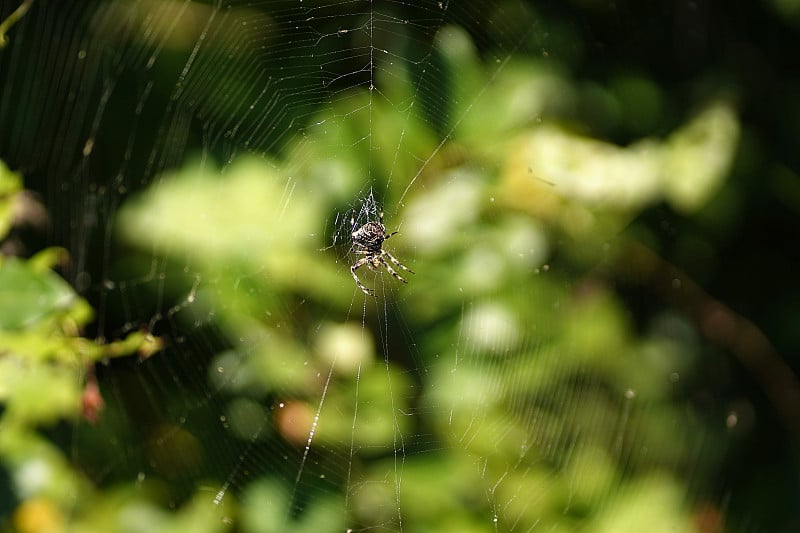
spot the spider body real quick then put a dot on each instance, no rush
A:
(368, 241)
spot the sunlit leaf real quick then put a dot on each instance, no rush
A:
(27, 296)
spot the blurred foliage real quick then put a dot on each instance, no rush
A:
(587, 407)
(509, 386)
(46, 379)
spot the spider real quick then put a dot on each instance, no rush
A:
(367, 241)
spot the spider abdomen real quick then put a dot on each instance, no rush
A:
(370, 236)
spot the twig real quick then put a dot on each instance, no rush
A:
(12, 19)
(721, 325)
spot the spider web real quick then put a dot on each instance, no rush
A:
(208, 163)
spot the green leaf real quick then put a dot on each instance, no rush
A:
(28, 296)
(699, 157)
(10, 184)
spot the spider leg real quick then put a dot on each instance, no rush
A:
(389, 268)
(361, 262)
(394, 260)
